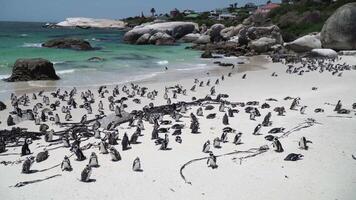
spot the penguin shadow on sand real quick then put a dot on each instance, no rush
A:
(91, 180)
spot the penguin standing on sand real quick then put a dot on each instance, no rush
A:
(165, 142)
(200, 111)
(93, 161)
(277, 145)
(27, 165)
(223, 137)
(225, 119)
(211, 162)
(216, 142)
(267, 120)
(136, 166)
(79, 153)
(86, 173)
(303, 143)
(2, 145)
(302, 109)
(256, 131)
(103, 147)
(115, 155)
(65, 165)
(338, 106)
(25, 150)
(125, 143)
(206, 147)
(237, 139)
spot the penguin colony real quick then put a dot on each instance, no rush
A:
(110, 141)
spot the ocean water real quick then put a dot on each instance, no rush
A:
(122, 62)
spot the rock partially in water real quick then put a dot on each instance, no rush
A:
(32, 69)
(68, 43)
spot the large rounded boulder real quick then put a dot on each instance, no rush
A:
(32, 69)
(68, 43)
(304, 44)
(215, 30)
(339, 31)
(175, 29)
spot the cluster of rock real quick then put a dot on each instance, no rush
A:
(32, 69)
(165, 33)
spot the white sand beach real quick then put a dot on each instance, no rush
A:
(325, 172)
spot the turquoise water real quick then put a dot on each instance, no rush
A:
(122, 62)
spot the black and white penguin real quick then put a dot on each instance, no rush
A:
(256, 131)
(115, 155)
(93, 160)
(136, 166)
(211, 162)
(277, 145)
(10, 121)
(338, 106)
(178, 139)
(216, 142)
(200, 111)
(84, 119)
(302, 109)
(65, 165)
(206, 147)
(125, 143)
(79, 153)
(49, 136)
(267, 120)
(26, 166)
(303, 143)
(103, 147)
(237, 139)
(193, 88)
(86, 173)
(57, 119)
(225, 119)
(223, 137)
(164, 145)
(25, 150)
(2, 145)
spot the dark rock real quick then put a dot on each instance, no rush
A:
(96, 59)
(2, 106)
(206, 54)
(339, 30)
(32, 69)
(68, 43)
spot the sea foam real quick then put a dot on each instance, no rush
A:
(32, 45)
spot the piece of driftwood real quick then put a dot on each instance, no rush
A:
(16, 133)
(24, 183)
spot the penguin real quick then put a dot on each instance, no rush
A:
(125, 143)
(217, 82)
(208, 82)
(206, 147)
(216, 142)
(86, 173)
(222, 107)
(200, 111)
(134, 137)
(79, 153)
(338, 106)
(10, 121)
(26, 166)
(164, 145)
(68, 116)
(103, 147)
(223, 137)
(253, 114)
(178, 139)
(25, 149)
(115, 155)
(49, 136)
(154, 134)
(93, 160)
(193, 88)
(65, 165)
(302, 110)
(303, 143)
(211, 162)
(244, 76)
(257, 130)
(112, 138)
(266, 120)
(56, 119)
(277, 145)
(165, 96)
(225, 120)
(84, 119)
(100, 105)
(293, 157)
(136, 166)
(237, 139)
